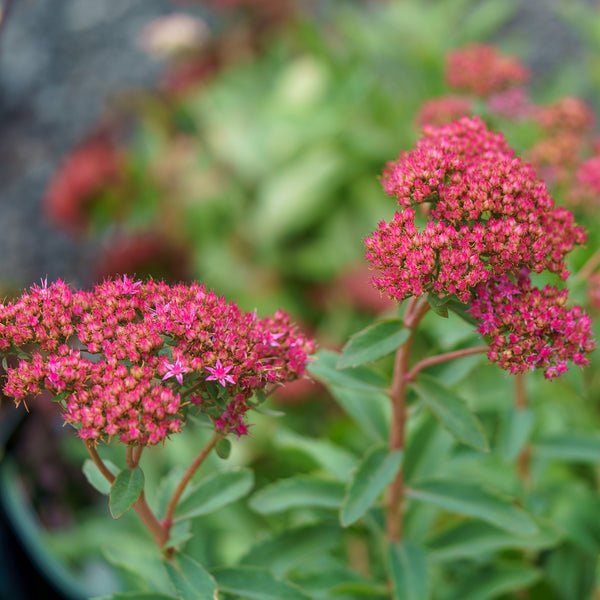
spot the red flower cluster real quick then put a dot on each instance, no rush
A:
(123, 358)
(529, 328)
(480, 69)
(585, 191)
(489, 216)
(444, 109)
(86, 171)
(566, 126)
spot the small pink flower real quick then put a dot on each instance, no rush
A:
(176, 370)
(219, 373)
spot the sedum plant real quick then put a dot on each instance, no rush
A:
(426, 500)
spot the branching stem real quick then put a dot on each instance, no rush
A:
(167, 521)
(440, 358)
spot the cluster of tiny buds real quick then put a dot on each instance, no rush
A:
(530, 328)
(480, 69)
(565, 125)
(123, 358)
(487, 215)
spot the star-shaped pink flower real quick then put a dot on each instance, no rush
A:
(176, 370)
(219, 373)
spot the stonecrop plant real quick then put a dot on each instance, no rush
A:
(439, 477)
(130, 362)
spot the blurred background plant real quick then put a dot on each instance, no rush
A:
(253, 166)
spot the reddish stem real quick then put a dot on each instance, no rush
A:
(414, 313)
(160, 534)
(167, 521)
(440, 358)
(523, 459)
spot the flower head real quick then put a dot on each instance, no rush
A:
(487, 215)
(482, 70)
(220, 373)
(530, 328)
(116, 357)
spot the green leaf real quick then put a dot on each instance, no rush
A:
(223, 448)
(291, 547)
(337, 461)
(439, 305)
(298, 492)
(189, 579)
(472, 500)
(125, 491)
(474, 539)
(371, 411)
(137, 596)
(145, 563)
(451, 411)
(493, 582)
(214, 492)
(324, 367)
(179, 533)
(256, 584)
(408, 568)
(515, 433)
(576, 448)
(460, 309)
(373, 342)
(95, 478)
(373, 474)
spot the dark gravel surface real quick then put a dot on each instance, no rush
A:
(60, 62)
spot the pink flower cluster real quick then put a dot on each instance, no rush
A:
(566, 125)
(488, 215)
(585, 191)
(531, 328)
(480, 69)
(444, 109)
(123, 358)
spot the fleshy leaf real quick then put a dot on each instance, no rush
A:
(439, 305)
(323, 367)
(189, 579)
(452, 411)
(95, 478)
(373, 474)
(371, 416)
(472, 539)
(337, 461)
(299, 491)
(223, 448)
(215, 491)
(292, 546)
(408, 568)
(137, 596)
(579, 448)
(515, 433)
(472, 500)
(494, 582)
(372, 343)
(256, 584)
(125, 491)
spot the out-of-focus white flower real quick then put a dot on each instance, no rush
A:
(173, 35)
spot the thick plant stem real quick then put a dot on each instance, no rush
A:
(521, 404)
(414, 313)
(167, 521)
(160, 533)
(440, 358)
